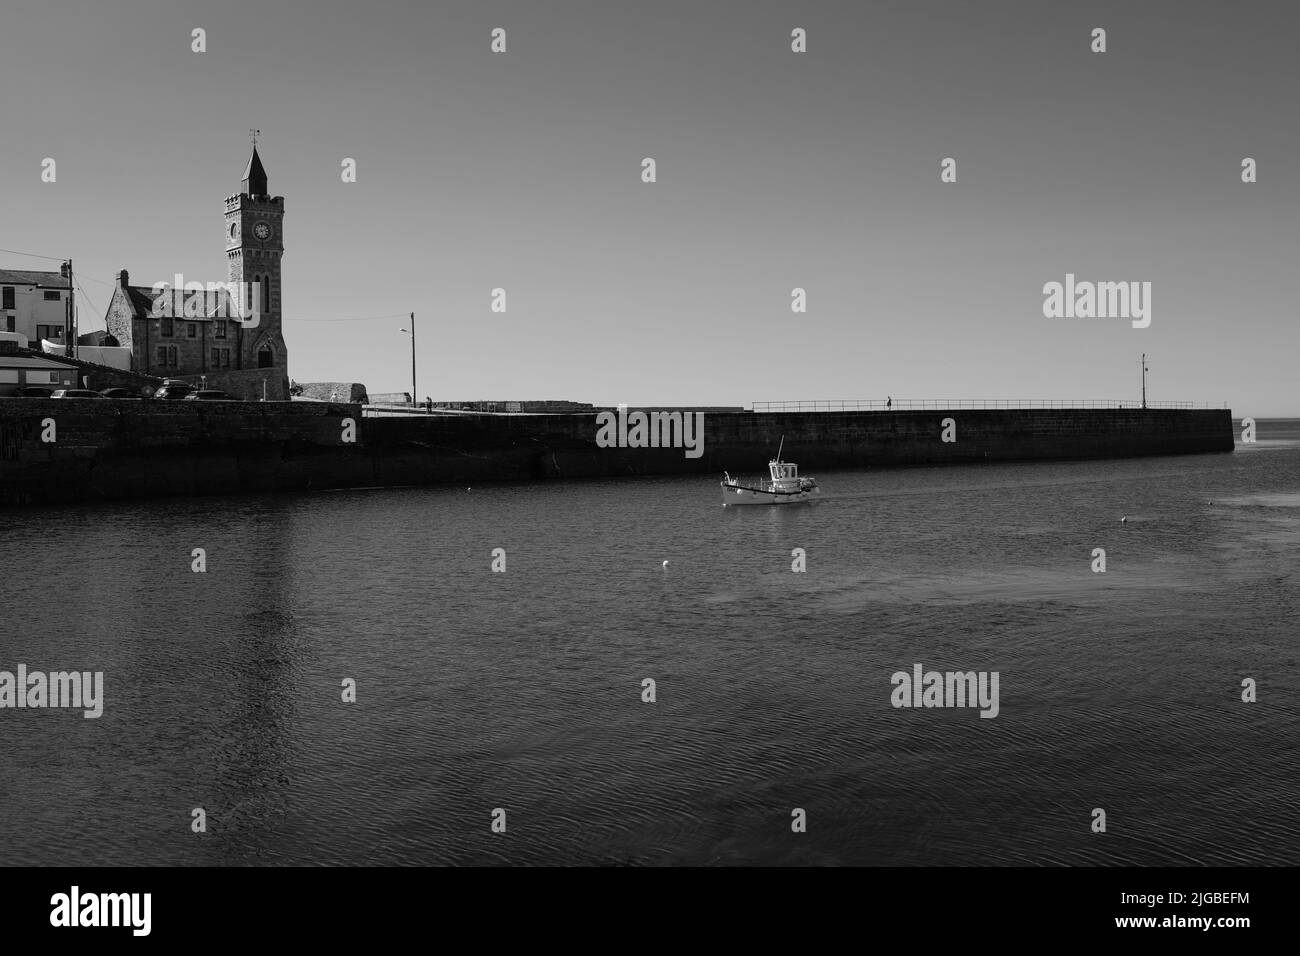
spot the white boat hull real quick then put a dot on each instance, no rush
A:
(733, 496)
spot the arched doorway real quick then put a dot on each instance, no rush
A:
(265, 358)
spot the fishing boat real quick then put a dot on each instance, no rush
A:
(783, 487)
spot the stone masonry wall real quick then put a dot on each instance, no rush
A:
(141, 449)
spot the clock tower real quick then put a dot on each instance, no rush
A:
(254, 248)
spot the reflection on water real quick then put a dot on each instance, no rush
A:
(523, 690)
(1290, 500)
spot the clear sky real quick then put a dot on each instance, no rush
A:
(819, 170)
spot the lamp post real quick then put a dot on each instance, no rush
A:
(411, 333)
(1144, 379)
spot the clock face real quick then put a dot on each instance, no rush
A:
(262, 231)
(234, 230)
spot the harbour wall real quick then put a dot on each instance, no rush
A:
(122, 449)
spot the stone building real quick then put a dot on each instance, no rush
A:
(204, 344)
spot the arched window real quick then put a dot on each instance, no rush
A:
(265, 359)
(266, 294)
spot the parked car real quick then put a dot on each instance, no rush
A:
(33, 391)
(119, 393)
(208, 395)
(75, 393)
(173, 391)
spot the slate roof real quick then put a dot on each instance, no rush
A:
(142, 299)
(21, 361)
(24, 277)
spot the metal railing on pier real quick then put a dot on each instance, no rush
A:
(381, 409)
(905, 404)
(389, 409)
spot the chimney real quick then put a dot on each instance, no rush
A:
(123, 279)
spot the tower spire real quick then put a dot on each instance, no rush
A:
(255, 173)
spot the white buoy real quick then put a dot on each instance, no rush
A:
(665, 565)
(1123, 520)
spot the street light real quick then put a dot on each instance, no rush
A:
(411, 333)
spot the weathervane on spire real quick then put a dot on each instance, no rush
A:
(253, 134)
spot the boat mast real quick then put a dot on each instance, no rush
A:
(779, 447)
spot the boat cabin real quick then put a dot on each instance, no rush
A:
(783, 469)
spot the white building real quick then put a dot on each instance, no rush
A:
(34, 304)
